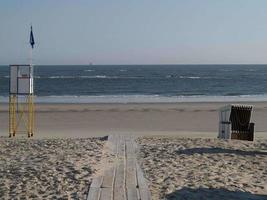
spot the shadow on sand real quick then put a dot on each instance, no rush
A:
(212, 194)
(213, 150)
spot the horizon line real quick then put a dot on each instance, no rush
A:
(1, 65)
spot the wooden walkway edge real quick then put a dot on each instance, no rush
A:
(124, 179)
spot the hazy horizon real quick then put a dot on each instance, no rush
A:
(200, 64)
(131, 33)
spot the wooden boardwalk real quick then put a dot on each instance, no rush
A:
(124, 179)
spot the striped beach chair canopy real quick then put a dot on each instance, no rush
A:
(235, 122)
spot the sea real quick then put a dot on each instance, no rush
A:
(144, 83)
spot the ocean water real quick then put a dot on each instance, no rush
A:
(148, 83)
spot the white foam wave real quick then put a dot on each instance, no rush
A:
(77, 77)
(58, 77)
(190, 77)
(102, 76)
(184, 77)
(92, 77)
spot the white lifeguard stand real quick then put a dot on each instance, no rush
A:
(21, 106)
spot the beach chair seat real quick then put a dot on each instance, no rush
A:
(234, 122)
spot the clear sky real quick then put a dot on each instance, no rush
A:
(134, 31)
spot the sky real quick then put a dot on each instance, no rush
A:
(134, 31)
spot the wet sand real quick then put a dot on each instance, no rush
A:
(87, 120)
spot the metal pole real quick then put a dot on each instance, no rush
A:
(30, 98)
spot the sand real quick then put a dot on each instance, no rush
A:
(48, 168)
(60, 161)
(183, 168)
(87, 120)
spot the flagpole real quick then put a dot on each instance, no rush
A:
(30, 56)
(31, 64)
(31, 52)
(30, 97)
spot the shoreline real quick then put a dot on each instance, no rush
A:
(141, 99)
(145, 103)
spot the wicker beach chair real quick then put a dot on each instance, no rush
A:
(234, 122)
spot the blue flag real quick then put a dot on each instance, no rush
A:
(32, 39)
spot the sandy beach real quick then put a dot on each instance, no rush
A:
(179, 152)
(204, 168)
(48, 168)
(87, 120)
(133, 100)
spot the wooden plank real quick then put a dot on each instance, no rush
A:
(121, 147)
(108, 178)
(131, 173)
(94, 194)
(106, 194)
(142, 186)
(119, 189)
(132, 194)
(130, 148)
(119, 183)
(97, 181)
(119, 180)
(112, 139)
(94, 191)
